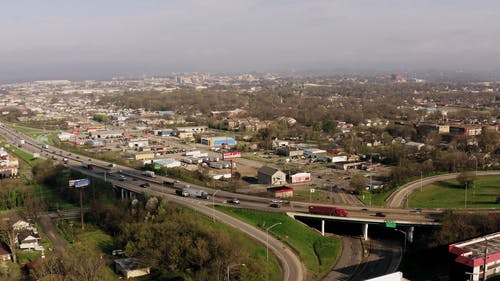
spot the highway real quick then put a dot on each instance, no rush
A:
(292, 267)
(401, 195)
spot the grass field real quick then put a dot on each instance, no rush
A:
(318, 196)
(377, 199)
(449, 194)
(32, 132)
(318, 253)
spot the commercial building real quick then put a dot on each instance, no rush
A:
(471, 256)
(270, 175)
(168, 162)
(300, 177)
(314, 153)
(105, 134)
(192, 129)
(285, 192)
(143, 155)
(139, 142)
(9, 166)
(218, 141)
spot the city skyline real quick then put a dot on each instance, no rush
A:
(94, 39)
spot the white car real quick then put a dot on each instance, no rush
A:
(233, 201)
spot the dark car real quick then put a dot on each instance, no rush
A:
(380, 214)
(233, 201)
(146, 184)
(275, 205)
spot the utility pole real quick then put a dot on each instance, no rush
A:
(81, 206)
(213, 205)
(485, 258)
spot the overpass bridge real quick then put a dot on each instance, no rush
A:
(408, 226)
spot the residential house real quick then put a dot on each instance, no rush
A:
(4, 253)
(28, 239)
(131, 267)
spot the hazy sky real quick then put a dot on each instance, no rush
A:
(102, 38)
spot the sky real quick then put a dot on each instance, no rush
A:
(92, 39)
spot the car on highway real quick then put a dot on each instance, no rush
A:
(418, 210)
(275, 205)
(233, 201)
(122, 178)
(146, 184)
(380, 214)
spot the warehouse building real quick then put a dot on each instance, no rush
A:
(270, 175)
(218, 141)
(470, 257)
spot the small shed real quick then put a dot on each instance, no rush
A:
(281, 192)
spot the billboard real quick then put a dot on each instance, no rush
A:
(231, 155)
(79, 183)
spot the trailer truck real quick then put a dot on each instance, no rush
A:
(192, 192)
(88, 166)
(328, 210)
(150, 174)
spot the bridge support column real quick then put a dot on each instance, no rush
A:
(365, 231)
(123, 193)
(409, 233)
(323, 227)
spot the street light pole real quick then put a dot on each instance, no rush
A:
(233, 265)
(421, 178)
(213, 205)
(465, 203)
(267, 239)
(404, 233)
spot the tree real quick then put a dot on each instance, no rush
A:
(358, 182)
(329, 126)
(8, 236)
(466, 178)
(33, 206)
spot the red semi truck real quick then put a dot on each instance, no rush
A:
(328, 210)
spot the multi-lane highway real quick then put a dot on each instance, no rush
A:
(291, 265)
(292, 268)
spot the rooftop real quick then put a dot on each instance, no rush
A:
(473, 251)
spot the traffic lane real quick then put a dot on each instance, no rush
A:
(348, 261)
(383, 258)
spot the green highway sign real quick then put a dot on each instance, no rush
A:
(390, 224)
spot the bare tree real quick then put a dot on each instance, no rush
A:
(8, 235)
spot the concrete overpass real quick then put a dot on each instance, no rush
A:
(407, 225)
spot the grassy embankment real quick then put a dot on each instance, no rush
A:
(449, 194)
(96, 239)
(318, 253)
